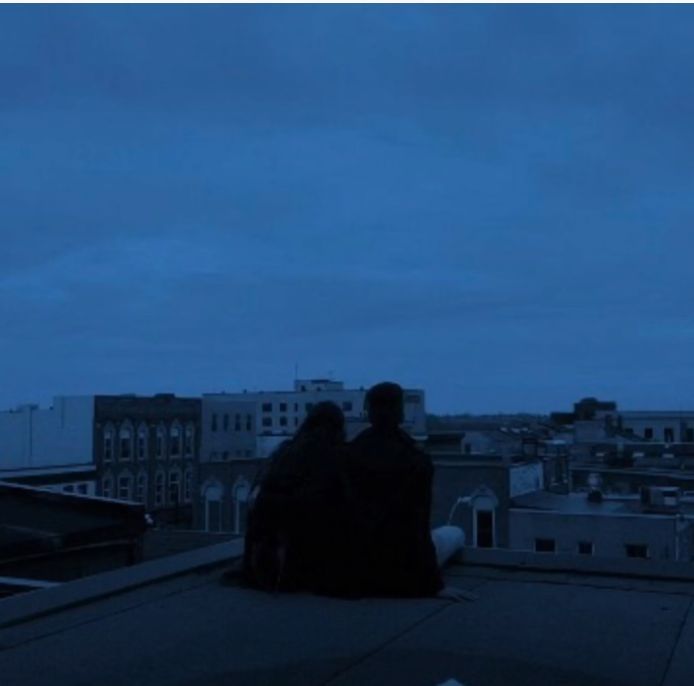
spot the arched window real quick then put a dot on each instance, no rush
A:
(142, 442)
(240, 493)
(161, 441)
(159, 489)
(174, 487)
(188, 485)
(125, 441)
(141, 488)
(125, 487)
(108, 442)
(107, 487)
(212, 494)
(189, 440)
(175, 442)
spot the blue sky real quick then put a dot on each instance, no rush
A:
(493, 203)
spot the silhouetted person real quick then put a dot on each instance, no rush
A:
(292, 542)
(391, 483)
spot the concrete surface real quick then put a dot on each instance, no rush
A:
(524, 629)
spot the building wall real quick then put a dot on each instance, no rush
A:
(455, 486)
(282, 412)
(33, 437)
(609, 533)
(229, 429)
(665, 427)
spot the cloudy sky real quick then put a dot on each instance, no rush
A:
(492, 203)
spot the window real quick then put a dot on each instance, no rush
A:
(648, 433)
(174, 488)
(225, 455)
(188, 446)
(267, 407)
(159, 489)
(296, 407)
(283, 421)
(237, 422)
(689, 435)
(485, 528)
(637, 550)
(249, 422)
(141, 488)
(107, 487)
(214, 422)
(188, 485)
(669, 435)
(267, 421)
(141, 442)
(160, 442)
(124, 483)
(545, 545)
(226, 422)
(125, 443)
(175, 445)
(82, 489)
(247, 453)
(347, 405)
(283, 407)
(69, 488)
(296, 421)
(585, 548)
(108, 444)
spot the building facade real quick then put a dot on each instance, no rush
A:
(603, 527)
(146, 450)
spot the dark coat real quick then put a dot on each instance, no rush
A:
(391, 482)
(294, 539)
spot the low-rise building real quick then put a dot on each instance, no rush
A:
(603, 526)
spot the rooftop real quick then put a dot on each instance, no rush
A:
(578, 503)
(171, 622)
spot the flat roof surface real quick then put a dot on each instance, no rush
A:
(524, 628)
(578, 503)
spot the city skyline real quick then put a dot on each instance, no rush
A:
(491, 203)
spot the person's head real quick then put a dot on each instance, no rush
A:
(325, 418)
(384, 404)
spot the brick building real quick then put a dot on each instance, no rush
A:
(146, 450)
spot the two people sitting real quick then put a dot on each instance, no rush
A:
(349, 520)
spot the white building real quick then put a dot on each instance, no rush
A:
(252, 424)
(50, 446)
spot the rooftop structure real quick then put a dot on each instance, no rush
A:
(47, 536)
